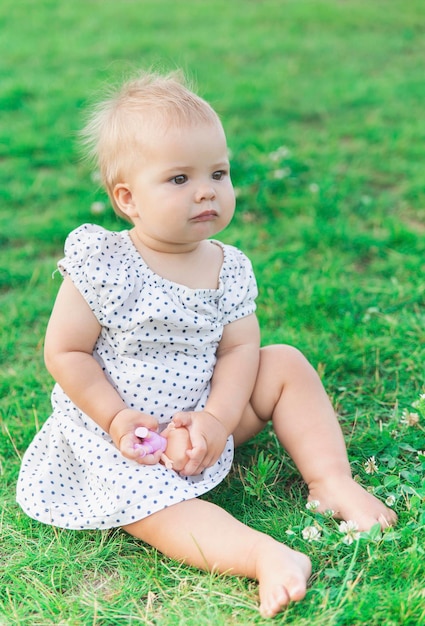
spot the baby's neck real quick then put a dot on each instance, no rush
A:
(196, 265)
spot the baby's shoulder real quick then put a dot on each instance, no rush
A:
(229, 251)
(97, 253)
(93, 244)
(99, 264)
(92, 237)
(233, 258)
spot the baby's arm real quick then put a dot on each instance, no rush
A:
(232, 384)
(70, 339)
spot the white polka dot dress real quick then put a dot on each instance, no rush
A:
(157, 347)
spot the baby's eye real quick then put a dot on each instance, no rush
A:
(219, 175)
(179, 179)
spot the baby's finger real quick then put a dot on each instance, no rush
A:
(130, 448)
(150, 459)
(182, 419)
(196, 464)
(192, 469)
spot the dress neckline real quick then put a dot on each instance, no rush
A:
(166, 281)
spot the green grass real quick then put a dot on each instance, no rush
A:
(334, 224)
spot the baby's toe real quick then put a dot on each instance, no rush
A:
(274, 602)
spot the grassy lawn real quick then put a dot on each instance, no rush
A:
(323, 106)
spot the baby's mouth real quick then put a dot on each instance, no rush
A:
(205, 216)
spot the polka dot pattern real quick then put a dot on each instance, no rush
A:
(157, 347)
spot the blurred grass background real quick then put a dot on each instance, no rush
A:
(323, 106)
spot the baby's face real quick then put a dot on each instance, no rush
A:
(180, 191)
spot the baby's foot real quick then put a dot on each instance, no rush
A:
(282, 575)
(350, 501)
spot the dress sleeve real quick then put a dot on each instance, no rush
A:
(94, 261)
(240, 286)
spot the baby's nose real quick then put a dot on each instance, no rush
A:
(205, 192)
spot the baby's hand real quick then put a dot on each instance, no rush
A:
(208, 437)
(123, 433)
(178, 445)
(150, 441)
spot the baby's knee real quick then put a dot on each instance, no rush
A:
(284, 363)
(281, 353)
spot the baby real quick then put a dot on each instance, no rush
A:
(156, 325)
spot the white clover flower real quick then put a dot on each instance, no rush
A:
(390, 501)
(311, 533)
(281, 153)
(370, 466)
(281, 173)
(409, 419)
(350, 529)
(313, 505)
(314, 188)
(97, 207)
(370, 312)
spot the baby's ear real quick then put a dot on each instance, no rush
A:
(124, 199)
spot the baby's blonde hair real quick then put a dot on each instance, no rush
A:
(113, 135)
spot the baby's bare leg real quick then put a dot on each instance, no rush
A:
(289, 391)
(202, 534)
